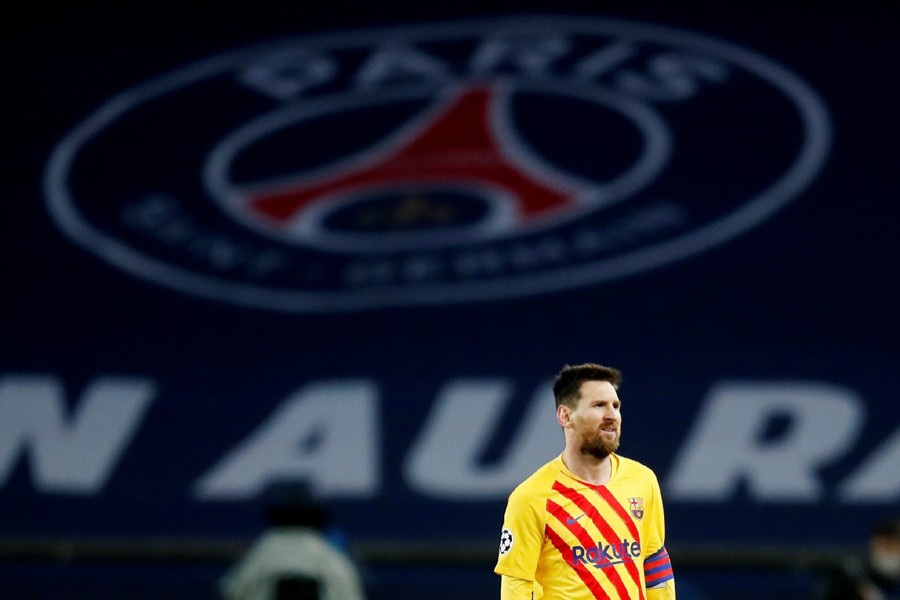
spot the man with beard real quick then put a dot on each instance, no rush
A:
(589, 523)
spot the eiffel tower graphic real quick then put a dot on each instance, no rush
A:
(456, 148)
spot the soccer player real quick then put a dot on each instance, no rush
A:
(589, 523)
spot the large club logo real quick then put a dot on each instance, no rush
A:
(437, 163)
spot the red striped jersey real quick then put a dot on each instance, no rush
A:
(577, 540)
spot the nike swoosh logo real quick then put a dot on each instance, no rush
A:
(571, 521)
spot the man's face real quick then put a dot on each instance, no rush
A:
(597, 420)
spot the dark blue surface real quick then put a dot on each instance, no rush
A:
(807, 295)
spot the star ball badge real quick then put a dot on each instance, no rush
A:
(506, 541)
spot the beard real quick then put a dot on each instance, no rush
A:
(598, 446)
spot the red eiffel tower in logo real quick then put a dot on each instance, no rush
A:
(457, 147)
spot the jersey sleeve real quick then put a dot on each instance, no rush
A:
(666, 592)
(658, 573)
(513, 588)
(522, 536)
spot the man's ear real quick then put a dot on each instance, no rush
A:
(564, 416)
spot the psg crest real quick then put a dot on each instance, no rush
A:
(436, 163)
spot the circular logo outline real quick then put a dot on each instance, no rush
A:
(657, 148)
(816, 127)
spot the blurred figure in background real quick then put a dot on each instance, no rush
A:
(878, 578)
(295, 559)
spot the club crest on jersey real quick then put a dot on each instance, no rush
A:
(637, 507)
(436, 163)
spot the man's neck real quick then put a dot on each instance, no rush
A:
(588, 468)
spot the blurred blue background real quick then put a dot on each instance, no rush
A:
(350, 245)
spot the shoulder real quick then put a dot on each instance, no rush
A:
(539, 484)
(628, 468)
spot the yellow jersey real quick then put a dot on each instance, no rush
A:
(577, 540)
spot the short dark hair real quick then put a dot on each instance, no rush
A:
(567, 387)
